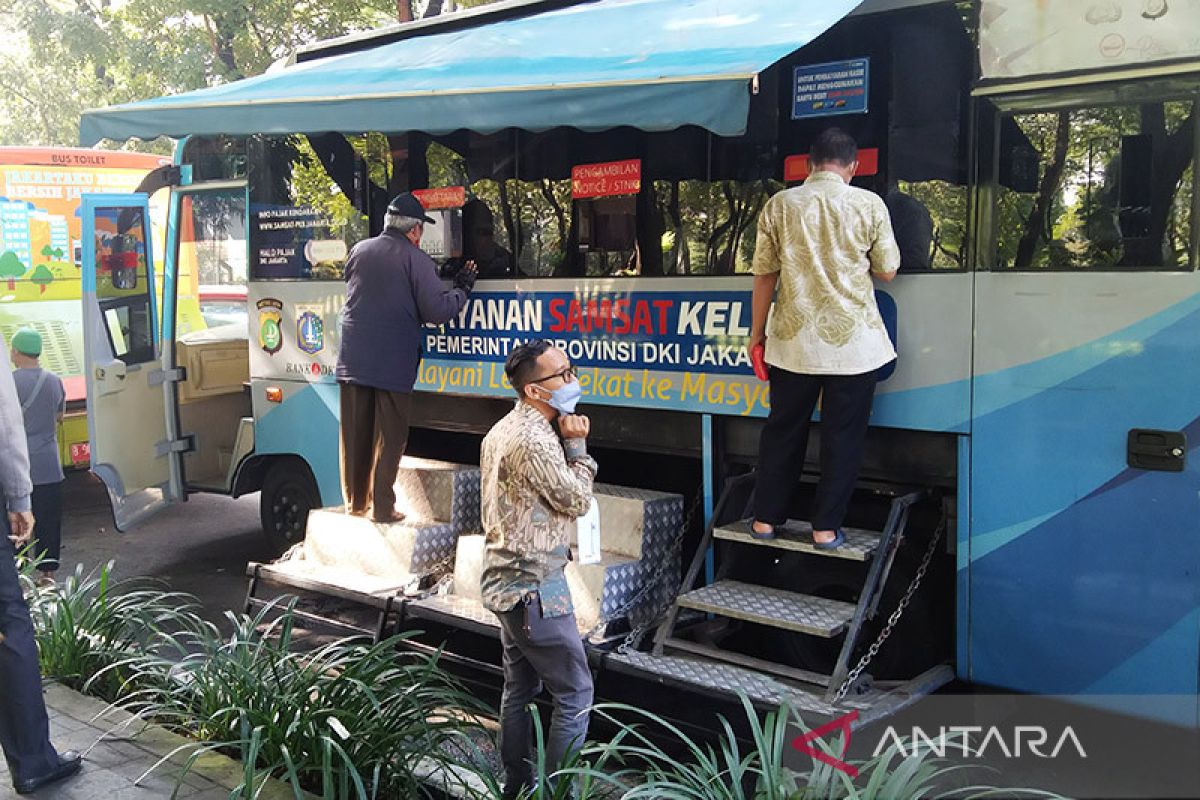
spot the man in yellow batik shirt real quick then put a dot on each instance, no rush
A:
(819, 244)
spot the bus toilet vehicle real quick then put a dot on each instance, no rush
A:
(40, 258)
(1025, 516)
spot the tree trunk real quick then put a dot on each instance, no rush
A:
(404, 10)
(510, 223)
(682, 255)
(560, 215)
(747, 209)
(1172, 154)
(649, 231)
(1037, 222)
(718, 255)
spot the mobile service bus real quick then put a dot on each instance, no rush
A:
(1032, 454)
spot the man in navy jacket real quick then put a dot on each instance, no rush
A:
(392, 291)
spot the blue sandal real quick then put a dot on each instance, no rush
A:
(833, 544)
(762, 536)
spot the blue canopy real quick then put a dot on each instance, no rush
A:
(652, 64)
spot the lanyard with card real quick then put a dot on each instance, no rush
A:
(589, 535)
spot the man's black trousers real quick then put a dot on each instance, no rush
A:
(24, 728)
(845, 412)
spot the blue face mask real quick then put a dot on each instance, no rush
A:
(564, 398)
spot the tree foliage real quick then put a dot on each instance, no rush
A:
(1092, 210)
(65, 56)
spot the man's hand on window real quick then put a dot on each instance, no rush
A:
(465, 278)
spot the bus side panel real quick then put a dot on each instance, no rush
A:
(304, 424)
(930, 389)
(1082, 569)
(293, 347)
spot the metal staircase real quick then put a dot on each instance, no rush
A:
(678, 660)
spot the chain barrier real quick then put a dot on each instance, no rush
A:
(657, 578)
(854, 674)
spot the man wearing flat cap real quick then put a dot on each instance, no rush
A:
(392, 291)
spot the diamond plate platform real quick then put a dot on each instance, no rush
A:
(600, 591)
(774, 607)
(463, 608)
(439, 491)
(337, 539)
(710, 676)
(707, 678)
(796, 535)
(342, 578)
(597, 590)
(638, 522)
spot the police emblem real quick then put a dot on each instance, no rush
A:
(270, 325)
(310, 332)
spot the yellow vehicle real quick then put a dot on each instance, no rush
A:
(40, 189)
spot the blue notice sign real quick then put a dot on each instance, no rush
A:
(824, 90)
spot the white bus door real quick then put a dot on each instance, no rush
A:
(134, 450)
(1086, 411)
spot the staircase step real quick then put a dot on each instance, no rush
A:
(349, 582)
(774, 607)
(750, 662)
(597, 590)
(797, 535)
(464, 612)
(439, 491)
(390, 550)
(638, 522)
(709, 677)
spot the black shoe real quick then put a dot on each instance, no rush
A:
(68, 764)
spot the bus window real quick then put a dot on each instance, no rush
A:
(212, 261)
(122, 285)
(307, 206)
(543, 216)
(565, 229)
(484, 208)
(214, 226)
(930, 222)
(711, 226)
(216, 158)
(1108, 187)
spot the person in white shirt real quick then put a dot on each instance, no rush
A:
(819, 244)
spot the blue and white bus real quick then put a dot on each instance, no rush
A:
(604, 162)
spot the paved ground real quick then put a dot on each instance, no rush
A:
(201, 546)
(113, 761)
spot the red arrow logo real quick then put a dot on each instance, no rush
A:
(842, 723)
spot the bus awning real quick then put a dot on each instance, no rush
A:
(652, 64)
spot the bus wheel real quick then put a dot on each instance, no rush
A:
(288, 494)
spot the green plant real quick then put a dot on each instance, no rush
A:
(347, 720)
(649, 757)
(89, 623)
